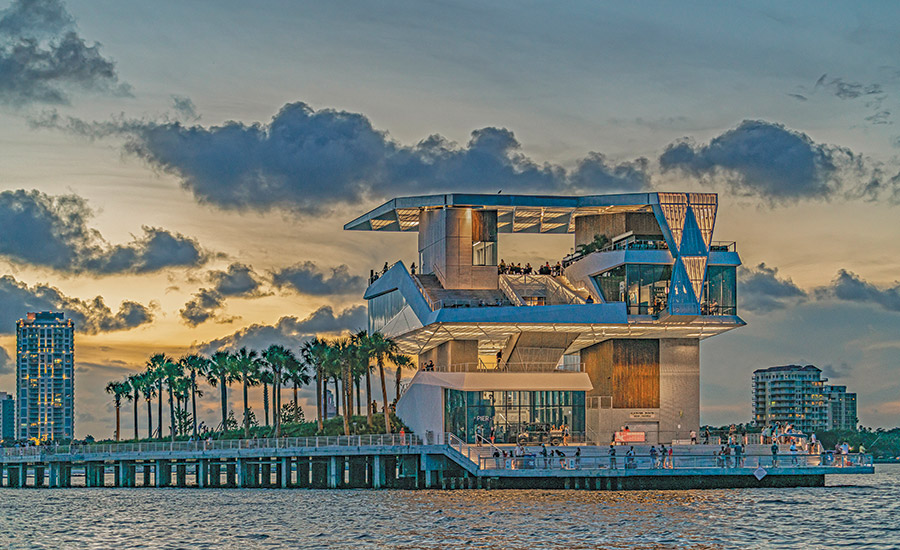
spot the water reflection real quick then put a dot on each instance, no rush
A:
(857, 512)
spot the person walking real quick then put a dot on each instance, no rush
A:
(693, 437)
(653, 457)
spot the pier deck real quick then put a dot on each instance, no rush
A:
(395, 461)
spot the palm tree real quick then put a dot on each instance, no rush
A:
(158, 375)
(219, 372)
(386, 349)
(134, 384)
(196, 364)
(282, 362)
(313, 354)
(117, 390)
(147, 381)
(265, 376)
(169, 372)
(363, 345)
(247, 364)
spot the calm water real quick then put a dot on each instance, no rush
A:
(852, 512)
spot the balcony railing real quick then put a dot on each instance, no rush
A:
(507, 367)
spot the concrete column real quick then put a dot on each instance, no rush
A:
(163, 473)
(266, 474)
(429, 479)
(377, 472)
(121, 474)
(241, 469)
(54, 474)
(302, 472)
(284, 473)
(202, 473)
(231, 474)
(333, 472)
(39, 475)
(181, 475)
(117, 474)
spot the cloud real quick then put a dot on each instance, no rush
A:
(90, 316)
(7, 365)
(42, 57)
(760, 290)
(842, 370)
(777, 164)
(850, 287)
(307, 278)
(291, 331)
(845, 89)
(308, 161)
(52, 231)
(185, 107)
(237, 280)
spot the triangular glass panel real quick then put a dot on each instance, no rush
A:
(681, 295)
(696, 270)
(692, 240)
(674, 208)
(705, 206)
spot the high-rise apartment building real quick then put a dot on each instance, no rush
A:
(7, 417)
(45, 376)
(798, 395)
(841, 408)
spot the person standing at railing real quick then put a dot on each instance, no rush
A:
(793, 449)
(612, 457)
(775, 454)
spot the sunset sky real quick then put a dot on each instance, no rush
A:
(191, 164)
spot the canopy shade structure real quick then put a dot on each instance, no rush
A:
(515, 213)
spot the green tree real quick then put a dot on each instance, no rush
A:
(282, 363)
(134, 385)
(220, 372)
(313, 353)
(246, 362)
(118, 390)
(197, 365)
(384, 350)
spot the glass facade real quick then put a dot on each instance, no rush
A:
(720, 291)
(527, 416)
(484, 237)
(383, 308)
(643, 287)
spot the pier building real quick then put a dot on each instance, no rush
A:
(593, 340)
(45, 377)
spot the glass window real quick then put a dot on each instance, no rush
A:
(644, 287)
(383, 308)
(612, 284)
(484, 237)
(720, 291)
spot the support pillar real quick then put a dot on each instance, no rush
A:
(202, 473)
(163, 473)
(241, 469)
(284, 473)
(54, 474)
(39, 475)
(333, 472)
(181, 475)
(377, 472)
(302, 472)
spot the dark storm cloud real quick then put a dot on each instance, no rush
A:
(310, 160)
(307, 278)
(761, 290)
(291, 331)
(774, 163)
(238, 280)
(7, 365)
(204, 306)
(850, 287)
(837, 371)
(90, 316)
(52, 231)
(184, 107)
(42, 57)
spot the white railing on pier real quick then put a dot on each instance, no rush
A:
(480, 366)
(567, 460)
(369, 440)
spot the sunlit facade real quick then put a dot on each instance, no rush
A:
(593, 340)
(798, 395)
(45, 377)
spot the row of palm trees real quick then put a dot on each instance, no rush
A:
(344, 361)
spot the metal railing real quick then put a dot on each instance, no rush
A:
(688, 462)
(509, 367)
(511, 294)
(216, 445)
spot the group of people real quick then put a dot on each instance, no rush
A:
(525, 459)
(730, 455)
(517, 269)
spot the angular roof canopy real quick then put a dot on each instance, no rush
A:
(515, 213)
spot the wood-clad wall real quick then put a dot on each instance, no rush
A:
(628, 370)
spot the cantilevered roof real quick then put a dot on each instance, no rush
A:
(515, 213)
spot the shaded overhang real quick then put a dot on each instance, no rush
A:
(515, 213)
(505, 381)
(493, 337)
